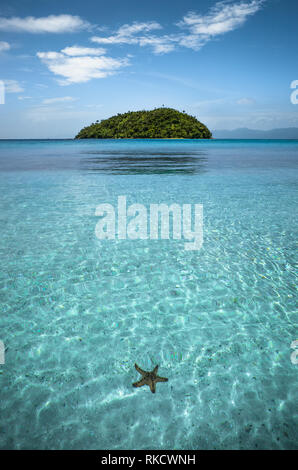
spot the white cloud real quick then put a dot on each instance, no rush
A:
(127, 30)
(79, 69)
(51, 55)
(125, 34)
(200, 29)
(79, 51)
(223, 17)
(49, 24)
(4, 46)
(24, 98)
(62, 99)
(161, 45)
(12, 86)
(128, 34)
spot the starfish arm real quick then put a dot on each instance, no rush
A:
(141, 371)
(161, 379)
(152, 386)
(140, 383)
(155, 370)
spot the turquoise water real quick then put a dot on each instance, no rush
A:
(78, 312)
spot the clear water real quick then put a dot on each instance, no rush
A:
(77, 312)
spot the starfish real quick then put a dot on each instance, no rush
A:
(149, 378)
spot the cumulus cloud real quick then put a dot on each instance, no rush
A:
(130, 34)
(80, 68)
(48, 24)
(79, 51)
(197, 29)
(136, 27)
(126, 33)
(222, 18)
(4, 46)
(160, 45)
(76, 64)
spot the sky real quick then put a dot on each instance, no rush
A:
(65, 64)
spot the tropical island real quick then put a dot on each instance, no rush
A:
(160, 123)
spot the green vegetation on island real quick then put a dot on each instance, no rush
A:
(160, 123)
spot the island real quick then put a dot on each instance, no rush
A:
(159, 123)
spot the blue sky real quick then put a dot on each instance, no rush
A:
(68, 63)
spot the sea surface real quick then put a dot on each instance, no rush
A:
(78, 312)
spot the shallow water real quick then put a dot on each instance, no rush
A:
(78, 312)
